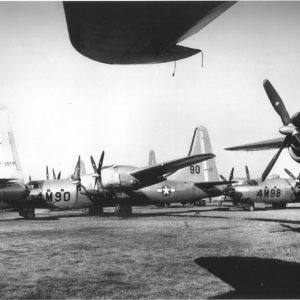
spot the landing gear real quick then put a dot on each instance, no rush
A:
(96, 211)
(279, 205)
(250, 206)
(27, 214)
(200, 202)
(123, 210)
(168, 204)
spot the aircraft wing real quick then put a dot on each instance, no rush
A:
(138, 32)
(209, 184)
(263, 145)
(152, 174)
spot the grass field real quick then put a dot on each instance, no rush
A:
(158, 253)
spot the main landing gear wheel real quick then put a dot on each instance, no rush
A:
(27, 214)
(96, 211)
(279, 205)
(200, 203)
(250, 206)
(123, 210)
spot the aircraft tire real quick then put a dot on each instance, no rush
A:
(168, 204)
(123, 210)
(251, 207)
(283, 205)
(27, 214)
(183, 203)
(96, 211)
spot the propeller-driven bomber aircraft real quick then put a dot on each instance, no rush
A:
(12, 187)
(121, 186)
(273, 190)
(290, 128)
(192, 184)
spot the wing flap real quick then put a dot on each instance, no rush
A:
(263, 145)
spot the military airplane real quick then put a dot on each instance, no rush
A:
(121, 186)
(192, 184)
(12, 187)
(273, 190)
(138, 32)
(290, 128)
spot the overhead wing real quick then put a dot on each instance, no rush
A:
(263, 145)
(138, 32)
(153, 174)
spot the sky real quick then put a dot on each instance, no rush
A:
(62, 104)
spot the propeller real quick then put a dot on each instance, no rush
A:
(77, 178)
(228, 187)
(297, 179)
(58, 176)
(47, 173)
(290, 126)
(274, 159)
(53, 174)
(97, 170)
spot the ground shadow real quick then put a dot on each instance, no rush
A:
(254, 277)
(290, 228)
(274, 220)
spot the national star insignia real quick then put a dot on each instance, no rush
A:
(166, 190)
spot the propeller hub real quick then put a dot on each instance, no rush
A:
(288, 130)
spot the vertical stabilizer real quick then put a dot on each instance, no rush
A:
(204, 171)
(152, 159)
(10, 166)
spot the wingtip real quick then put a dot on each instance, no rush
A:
(265, 82)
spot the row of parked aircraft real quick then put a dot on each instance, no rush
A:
(189, 179)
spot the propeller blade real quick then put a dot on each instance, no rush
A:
(231, 174)
(273, 160)
(290, 174)
(223, 178)
(53, 174)
(78, 169)
(277, 103)
(93, 164)
(29, 178)
(100, 163)
(58, 176)
(47, 173)
(247, 172)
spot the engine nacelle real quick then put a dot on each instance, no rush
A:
(295, 153)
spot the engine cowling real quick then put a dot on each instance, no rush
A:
(295, 153)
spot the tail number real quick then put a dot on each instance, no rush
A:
(195, 169)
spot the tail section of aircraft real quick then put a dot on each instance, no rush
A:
(152, 159)
(204, 171)
(10, 166)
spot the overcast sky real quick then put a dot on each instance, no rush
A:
(63, 104)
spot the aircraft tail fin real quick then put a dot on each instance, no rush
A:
(152, 158)
(203, 171)
(10, 166)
